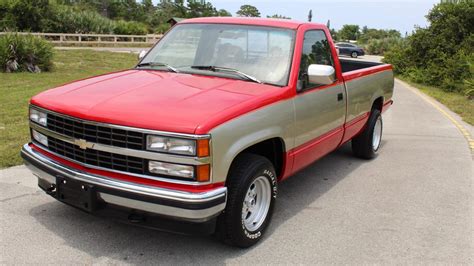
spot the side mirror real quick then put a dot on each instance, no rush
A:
(321, 74)
(141, 54)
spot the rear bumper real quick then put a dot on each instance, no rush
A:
(189, 206)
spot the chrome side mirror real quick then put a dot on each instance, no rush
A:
(141, 54)
(321, 74)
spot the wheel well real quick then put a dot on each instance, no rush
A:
(272, 149)
(378, 104)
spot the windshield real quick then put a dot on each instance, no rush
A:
(260, 52)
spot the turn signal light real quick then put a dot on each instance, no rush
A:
(203, 148)
(203, 173)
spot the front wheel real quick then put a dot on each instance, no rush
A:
(367, 143)
(252, 190)
(354, 54)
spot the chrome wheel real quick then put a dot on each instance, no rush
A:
(377, 137)
(354, 54)
(256, 203)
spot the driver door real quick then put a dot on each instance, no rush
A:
(320, 110)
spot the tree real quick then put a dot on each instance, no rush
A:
(223, 13)
(31, 15)
(368, 34)
(204, 9)
(349, 32)
(166, 10)
(278, 16)
(248, 11)
(365, 29)
(443, 53)
(334, 34)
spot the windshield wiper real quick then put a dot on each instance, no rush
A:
(226, 69)
(152, 64)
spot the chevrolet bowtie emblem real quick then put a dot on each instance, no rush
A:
(83, 144)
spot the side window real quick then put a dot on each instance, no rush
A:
(316, 50)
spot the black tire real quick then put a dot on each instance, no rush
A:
(362, 144)
(244, 171)
(354, 54)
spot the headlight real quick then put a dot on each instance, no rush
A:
(38, 117)
(40, 137)
(178, 146)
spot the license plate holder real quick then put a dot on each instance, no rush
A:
(76, 193)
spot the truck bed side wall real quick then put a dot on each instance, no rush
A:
(363, 88)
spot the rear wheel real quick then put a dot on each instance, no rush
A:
(354, 54)
(367, 143)
(252, 190)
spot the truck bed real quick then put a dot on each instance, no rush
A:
(351, 65)
(355, 69)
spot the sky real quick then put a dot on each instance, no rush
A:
(401, 15)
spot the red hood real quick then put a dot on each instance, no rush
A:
(158, 100)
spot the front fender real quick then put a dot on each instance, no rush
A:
(232, 137)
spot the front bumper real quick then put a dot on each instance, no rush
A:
(183, 205)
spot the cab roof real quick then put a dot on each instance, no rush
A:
(270, 22)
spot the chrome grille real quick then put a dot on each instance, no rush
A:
(98, 158)
(96, 134)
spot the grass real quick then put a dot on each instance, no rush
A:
(117, 45)
(458, 103)
(17, 88)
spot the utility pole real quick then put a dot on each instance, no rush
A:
(310, 15)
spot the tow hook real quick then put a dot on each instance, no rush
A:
(51, 190)
(136, 218)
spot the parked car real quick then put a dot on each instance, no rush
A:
(206, 126)
(350, 49)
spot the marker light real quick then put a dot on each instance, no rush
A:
(170, 169)
(40, 137)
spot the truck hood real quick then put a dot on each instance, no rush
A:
(158, 100)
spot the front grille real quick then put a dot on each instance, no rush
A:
(96, 134)
(98, 158)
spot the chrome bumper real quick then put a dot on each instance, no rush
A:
(196, 207)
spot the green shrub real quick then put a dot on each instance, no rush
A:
(397, 57)
(7, 19)
(381, 46)
(441, 55)
(70, 20)
(130, 28)
(25, 53)
(162, 28)
(28, 15)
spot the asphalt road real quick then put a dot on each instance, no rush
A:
(412, 204)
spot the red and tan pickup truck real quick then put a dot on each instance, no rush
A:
(209, 122)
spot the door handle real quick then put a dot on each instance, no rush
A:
(339, 97)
